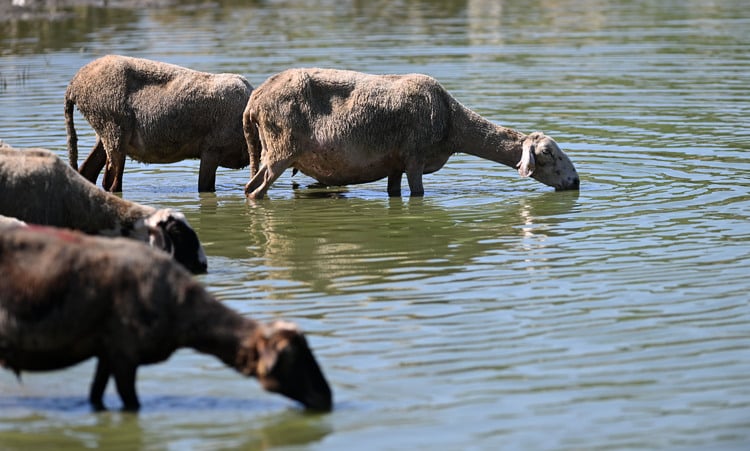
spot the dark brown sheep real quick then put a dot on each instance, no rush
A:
(66, 297)
(156, 112)
(343, 127)
(39, 188)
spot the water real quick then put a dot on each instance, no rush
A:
(494, 313)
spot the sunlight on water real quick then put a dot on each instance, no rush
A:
(492, 312)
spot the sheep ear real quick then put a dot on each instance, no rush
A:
(527, 165)
(158, 237)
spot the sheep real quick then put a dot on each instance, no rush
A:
(66, 297)
(343, 127)
(39, 188)
(156, 112)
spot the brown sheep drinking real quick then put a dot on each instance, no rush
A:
(343, 127)
(156, 112)
(39, 188)
(66, 297)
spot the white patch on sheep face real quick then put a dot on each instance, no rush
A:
(284, 325)
(170, 231)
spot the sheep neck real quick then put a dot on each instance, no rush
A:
(212, 328)
(477, 136)
(102, 210)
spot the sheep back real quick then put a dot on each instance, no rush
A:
(39, 188)
(370, 116)
(164, 112)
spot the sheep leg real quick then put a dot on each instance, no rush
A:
(414, 170)
(394, 184)
(99, 384)
(255, 160)
(253, 188)
(113, 172)
(207, 174)
(108, 176)
(257, 187)
(125, 382)
(415, 184)
(94, 163)
(115, 144)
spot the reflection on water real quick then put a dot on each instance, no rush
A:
(344, 249)
(493, 312)
(233, 426)
(68, 31)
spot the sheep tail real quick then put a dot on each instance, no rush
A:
(254, 147)
(71, 129)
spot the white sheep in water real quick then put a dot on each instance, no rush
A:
(39, 188)
(343, 127)
(156, 112)
(66, 297)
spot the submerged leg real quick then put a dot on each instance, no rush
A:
(98, 385)
(113, 171)
(207, 174)
(115, 145)
(94, 163)
(394, 184)
(414, 171)
(257, 187)
(255, 183)
(125, 382)
(107, 178)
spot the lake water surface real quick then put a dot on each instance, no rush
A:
(494, 313)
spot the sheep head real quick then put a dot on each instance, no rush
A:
(169, 231)
(542, 159)
(284, 364)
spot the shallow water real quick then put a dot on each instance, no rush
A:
(492, 313)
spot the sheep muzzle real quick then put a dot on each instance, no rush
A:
(287, 366)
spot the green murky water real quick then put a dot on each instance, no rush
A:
(493, 313)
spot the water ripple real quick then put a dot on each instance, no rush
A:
(490, 310)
